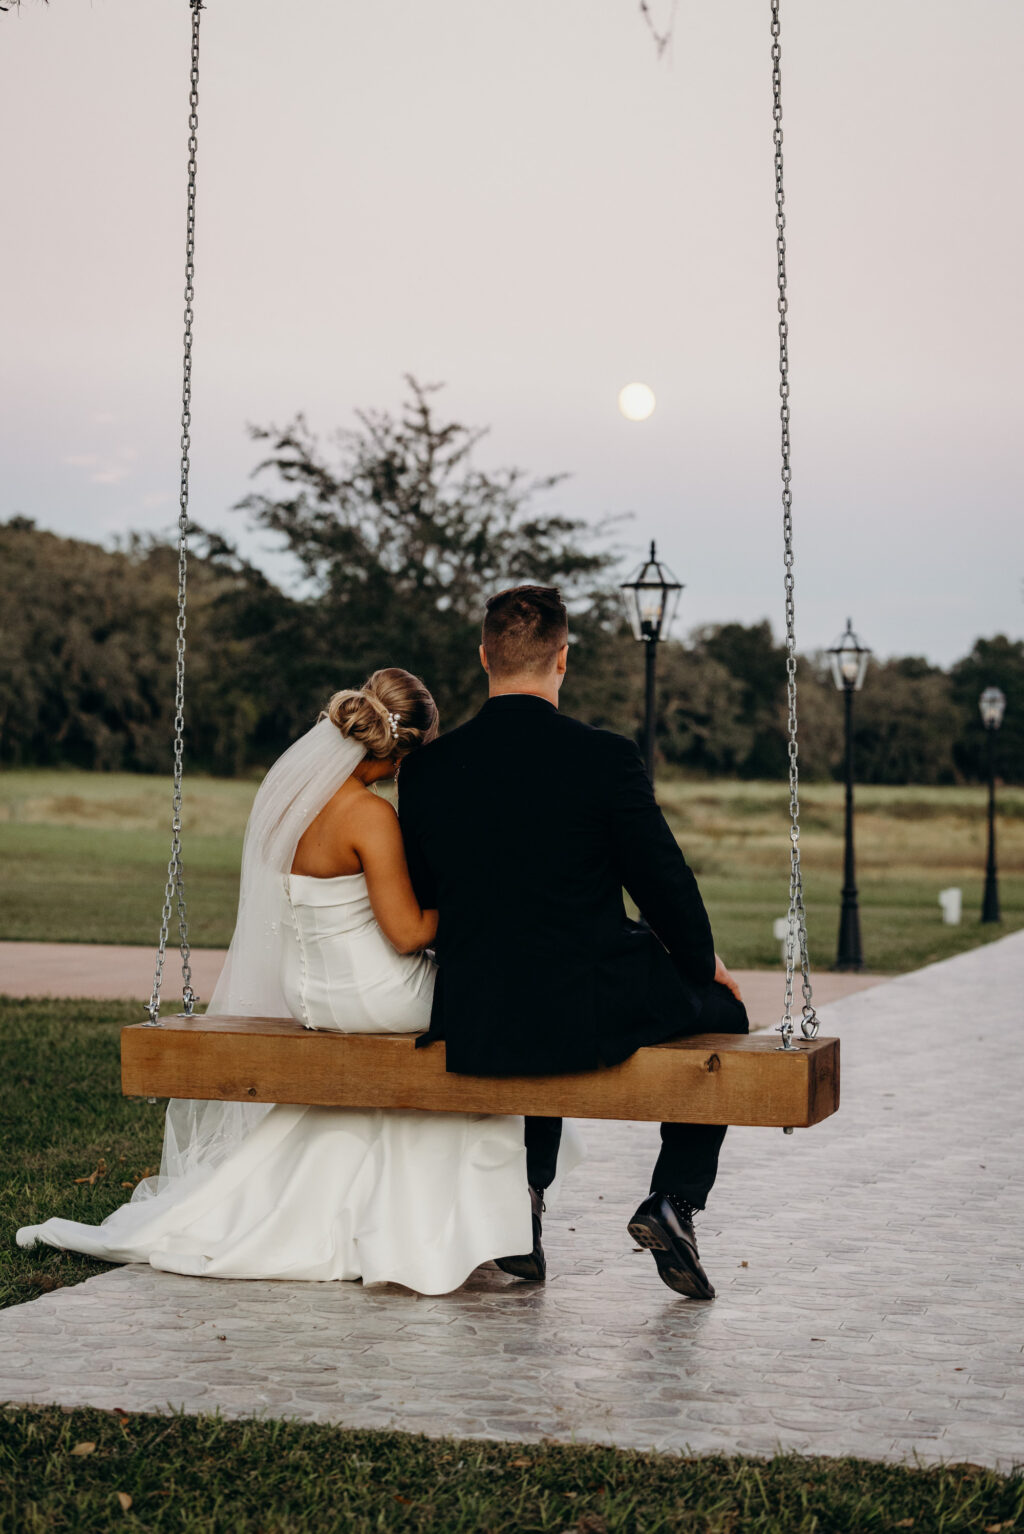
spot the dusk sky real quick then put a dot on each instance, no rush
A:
(523, 201)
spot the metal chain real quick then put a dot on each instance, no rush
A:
(174, 890)
(797, 925)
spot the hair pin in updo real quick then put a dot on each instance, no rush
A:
(394, 722)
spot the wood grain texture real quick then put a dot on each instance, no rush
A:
(705, 1079)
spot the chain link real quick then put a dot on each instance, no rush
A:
(796, 932)
(174, 890)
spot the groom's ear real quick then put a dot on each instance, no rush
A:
(563, 660)
(483, 660)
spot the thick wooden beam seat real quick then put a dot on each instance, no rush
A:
(710, 1078)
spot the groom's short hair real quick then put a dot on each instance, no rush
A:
(524, 629)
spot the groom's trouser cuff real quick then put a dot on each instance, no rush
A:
(688, 1163)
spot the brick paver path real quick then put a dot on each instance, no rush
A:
(869, 1277)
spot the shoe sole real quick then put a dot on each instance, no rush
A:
(652, 1235)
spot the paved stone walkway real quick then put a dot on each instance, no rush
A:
(869, 1276)
(101, 970)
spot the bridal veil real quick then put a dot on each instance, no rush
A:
(294, 791)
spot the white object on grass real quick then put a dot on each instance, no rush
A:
(780, 932)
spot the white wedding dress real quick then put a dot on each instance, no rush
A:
(284, 1192)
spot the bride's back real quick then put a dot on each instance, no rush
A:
(326, 848)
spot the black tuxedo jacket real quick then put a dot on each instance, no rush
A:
(522, 827)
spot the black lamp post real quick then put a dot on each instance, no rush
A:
(651, 598)
(992, 704)
(849, 660)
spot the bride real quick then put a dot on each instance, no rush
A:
(329, 931)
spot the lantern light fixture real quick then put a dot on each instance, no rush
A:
(651, 598)
(849, 660)
(992, 704)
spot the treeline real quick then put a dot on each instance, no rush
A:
(398, 538)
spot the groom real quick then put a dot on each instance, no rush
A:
(522, 828)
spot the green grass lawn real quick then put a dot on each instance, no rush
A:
(83, 858)
(201, 1475)
(64, 1120)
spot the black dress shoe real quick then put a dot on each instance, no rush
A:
(664, 1225)
(531, 1265)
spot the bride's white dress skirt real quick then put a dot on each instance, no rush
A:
(388, 1196)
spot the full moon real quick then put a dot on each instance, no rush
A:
(636, 401)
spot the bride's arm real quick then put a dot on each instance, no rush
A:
(378, 841)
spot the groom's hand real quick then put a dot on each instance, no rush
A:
(723, 977)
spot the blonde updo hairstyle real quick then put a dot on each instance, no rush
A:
(390, 715)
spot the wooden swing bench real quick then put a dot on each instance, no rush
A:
(707, 1078)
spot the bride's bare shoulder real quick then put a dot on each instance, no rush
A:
(354, 807)
(369, 811)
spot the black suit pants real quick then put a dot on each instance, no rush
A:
(688, 1163)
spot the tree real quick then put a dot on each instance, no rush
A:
(905, 723)
(87, 655)
(699, 712)
(748, 652)
(400, 537)
(87, 667)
